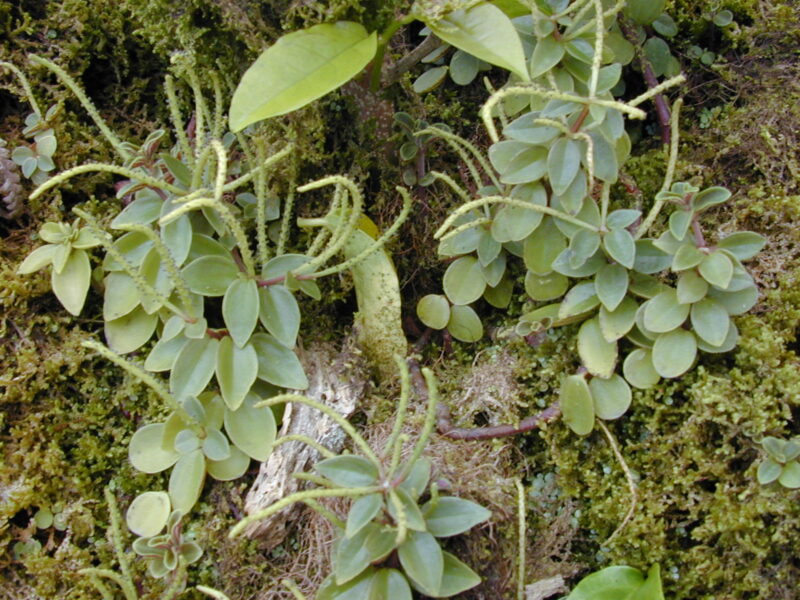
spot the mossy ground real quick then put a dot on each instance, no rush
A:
(66, 416)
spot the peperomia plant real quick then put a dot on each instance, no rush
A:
(545, 196)
(198, 274)
(388, 543)
(781, 463)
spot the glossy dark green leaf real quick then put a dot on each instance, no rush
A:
(464, 324)
(279, 313)
(598, 355)
(577, 406)
(639, 370)
(299, 68)
(674, 353)
(277, 364)
(485, 32)
(251, 429)
(611, 285)
(348, 471)
(422, 561)
(451, 516)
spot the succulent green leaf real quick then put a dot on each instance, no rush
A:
(769, 471)
(580, 299)
(577, 405)
(210, 275)
(687, 256)
(691, 287)
(422, 561)
(717, 269)
(485, 32)
(216, 446)
(299, 68)
(611, 285)
(71, 284)
(545, 287)
(240, 309)
(186, 481)
(524, 129)
(146, 451)
(488, 248)
(463, 282)
(251, 429)
(650, 259)
(583, 246)
(356, 553)
(389, 583)
(417, 480)
(434, 311)
(563, 162)
(163, 354)
(120, 296)
(611, 583)
(598, 355)
(541, 249)
(775, 447)
(615, 324)
(130, 332)
(743, 245)
(664, 312)
(414, 518)
(679, 222)
(709, 197)
(194, 367)
(38, 259)
(348, 471)
(622, 218)
(186, 441)
(790, 475)
(606, 167)
(450, 516)
(576, 266)
(363, 510)
(528, 165)
(620, 247)
(464, 324)
(430, 79)
(710, 321)
(237, 370)
(148, 513)
(231, 468)
(611, 396)
(514, 223)
(546, 55)
(277, 364)
(639, 370)
(736, 303)
(456, 577)
(674, 353)
(463, 67)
